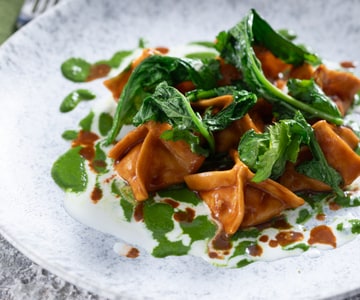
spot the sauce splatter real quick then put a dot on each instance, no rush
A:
(255, 250)
(285, 238)
(185, 216)
(139, 212)
(96, 195)
(133, 253)
(322, 235)
(321, 216)
(98, 71)
(221, 241)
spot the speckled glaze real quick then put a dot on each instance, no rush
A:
(32, 217)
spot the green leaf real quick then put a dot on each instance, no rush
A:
(76, 69)
(304, 215)
(158, 218)
(166, 248)
(246, 233)
(116, 60)
(243, 101)
(267, 153)
(168, 105)
(242, 247)
(235, 46)
(149, 73)
(69, 172)
(127, 201)
(244, 262)
(86, 122)
(278, 44)
(69, 135)
(204, 44)
(74, 98)
(200, 228)
(355, 226)
(309, 92)
(181, 195)
(201, 55)
(99, 163)
(105, 123)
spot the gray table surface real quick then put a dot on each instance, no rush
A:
(20, 278)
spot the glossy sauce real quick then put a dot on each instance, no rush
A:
(285, 238)
(98, 71)
(133, 253)
(322, 234)
(185, 216)
(96, 195)
(139, 212)
(255, 250)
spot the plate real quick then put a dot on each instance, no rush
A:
(32, 216)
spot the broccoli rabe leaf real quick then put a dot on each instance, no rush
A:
(235, 46)
(267, 153)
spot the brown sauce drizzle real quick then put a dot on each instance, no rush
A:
(284, 238)
(133, 253)
(322, 235)
(348, 64)
(264, 238)
(139, 212)
(334, 206)
(87, 139)
(255, 250)
(98, 71)
(273, 243)
(222, 241)
(321, 217)
(172, 202)
(278, 223)
(185, 216)
(96, 195)
(213, 254)
(88, 153)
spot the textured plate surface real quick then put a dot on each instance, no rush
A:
(32, 217)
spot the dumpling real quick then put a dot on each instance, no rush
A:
(235, 201)
(336, 142)
(149, 163)
(339, 85)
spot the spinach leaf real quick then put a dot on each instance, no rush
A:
(235, 46)
(278, 44)
(309, 92)
(168, 105)
(149, 73)
(242, 102)
(319, 169)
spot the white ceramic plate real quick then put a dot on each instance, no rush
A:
(32, 217)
